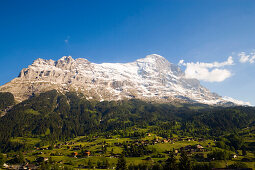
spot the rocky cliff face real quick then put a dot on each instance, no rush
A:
(152, 79)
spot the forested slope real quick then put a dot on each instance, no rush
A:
(57, 116)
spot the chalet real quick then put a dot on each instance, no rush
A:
(87, 153)
(200, 148)
(75, 154)
(233, 156)
(15, 167)
(190, 139)
(30, 166)
(41, 159)
(164, 141)
(155, 141)
(5, 165)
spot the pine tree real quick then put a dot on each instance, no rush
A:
(106, 163)
(46, 166)
(2, 160)
(157, 166)
(185, 163)
(112, 153)
(20, 158)
(121, 165)
(171, 162)
(244, 152)
(89, 164)
(99, 164)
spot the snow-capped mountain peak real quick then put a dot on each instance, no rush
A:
(152, 78)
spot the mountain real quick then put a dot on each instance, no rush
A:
(152, 78)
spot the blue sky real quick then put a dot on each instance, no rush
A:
(204, 31)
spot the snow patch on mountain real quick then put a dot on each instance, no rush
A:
(238, 102)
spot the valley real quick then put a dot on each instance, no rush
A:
(102, 152)
(66, 131)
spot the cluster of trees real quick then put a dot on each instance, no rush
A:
(130, 134)
(55, 116)
(2, 160)
(231, 142)
(6, 100)
(104, 164)
(170, 164)
(219, 155)
(234, 142)
(18, 159)
(135, 150)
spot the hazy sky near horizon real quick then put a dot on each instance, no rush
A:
(212, 40)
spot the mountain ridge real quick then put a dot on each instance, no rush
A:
(152, 78)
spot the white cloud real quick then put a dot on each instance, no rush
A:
(252, 59)
(246, 58)
(211, 72)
